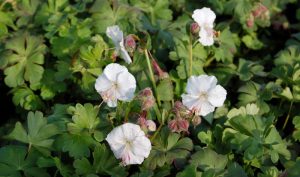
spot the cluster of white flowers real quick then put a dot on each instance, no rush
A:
(128, 141)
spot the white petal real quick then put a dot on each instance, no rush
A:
(201, 83)
(204, 16)
(112, 70)
(141, 147)
(217, 96)
(102, 83)
(133, 159)
(190, 101)
(115, 34)
(206, 36)
(205, 108)
(124, 53)
(126, 86)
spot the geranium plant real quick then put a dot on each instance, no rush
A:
(150, 88)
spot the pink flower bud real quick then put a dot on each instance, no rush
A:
(130, 43)
(151, 126)
(179, 125)
(181, 111)
(147, 99)
(195, 28)
(161, 74)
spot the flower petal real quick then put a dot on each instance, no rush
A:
(190, 101)
(124, 53)
(114, 33)
(141, 146)
(112, 70)
(206, 36)
(102, 83)
(126, 86)
(202, 83)
(217, 96)
(205, 108)
(204, 16)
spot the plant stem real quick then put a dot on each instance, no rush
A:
(152, 77)
(190, 56)
(288, 116)
(156, 132)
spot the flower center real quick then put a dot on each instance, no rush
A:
(203, 96)
(110, 94)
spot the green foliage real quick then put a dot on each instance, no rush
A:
(52, 51)
(16, 161)
(25, 57)
(38, 133)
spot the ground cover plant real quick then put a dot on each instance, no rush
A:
(150, 88)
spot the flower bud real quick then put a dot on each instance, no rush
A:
(196, 120)
(259, 10)
(130, 43)
(250, 22)
(161, 74)
(181, 111)
(195, 28)
(147, 99)
(179, 125)
(151, 126)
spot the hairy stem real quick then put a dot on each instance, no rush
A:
(152, 77)
(288, 116)
(190, 72)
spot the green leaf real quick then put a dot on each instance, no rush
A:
(296, 133)
(206, 159)
(15, 161)
(104, 163)
(166, 148)
(38, 133)
(84, 117)
(26, 98)
(25, 60)
(252, 42)
(235, 169)
(189, 171)
(165, 90)
(76, 145)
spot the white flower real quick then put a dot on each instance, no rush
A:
(129, 143)
(205, 18)
(203, 94)
(115, 83)
(114, 33)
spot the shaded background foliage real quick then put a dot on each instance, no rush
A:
(52, 51)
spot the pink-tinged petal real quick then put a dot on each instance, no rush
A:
(206, 36)
(217, 96)
(204, 16)
(112, 70)
(190, 101)
(102, 83)
(205, 108)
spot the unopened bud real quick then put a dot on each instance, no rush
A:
(130, 43)
(151, 126)
(161, 74)
(195, 28)
(181, 111)
(196, 120)
(147, 99)
(259, 10)
(179, 125)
